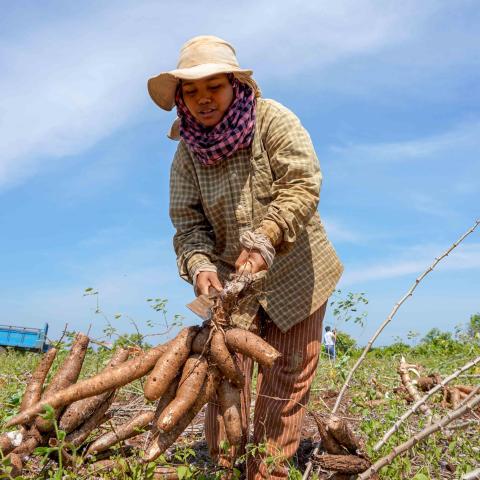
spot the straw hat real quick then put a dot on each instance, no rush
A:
(200, 57)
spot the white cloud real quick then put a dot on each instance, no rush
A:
(339, 233)
(414, 261)
(73, 81)
(424, 203)
(461, 136)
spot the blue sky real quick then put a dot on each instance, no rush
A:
(389, 92)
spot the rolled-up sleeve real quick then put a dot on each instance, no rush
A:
(297, 179)
(194, 239)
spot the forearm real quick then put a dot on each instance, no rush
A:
(296, 183)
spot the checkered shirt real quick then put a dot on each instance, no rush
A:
(276, 180)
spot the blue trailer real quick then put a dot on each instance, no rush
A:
(24, 338)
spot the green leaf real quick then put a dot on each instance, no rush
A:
(182, 470)
(420, 476)
(49, 412)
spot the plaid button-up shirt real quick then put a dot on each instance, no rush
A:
(274, 183)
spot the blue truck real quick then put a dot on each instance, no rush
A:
(24, 338)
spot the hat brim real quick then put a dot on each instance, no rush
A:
(162, 88)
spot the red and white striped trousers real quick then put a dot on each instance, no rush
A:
(282, 395)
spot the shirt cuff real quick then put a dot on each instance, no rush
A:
(271, 230)
(197, 260)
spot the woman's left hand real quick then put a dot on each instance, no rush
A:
(250, 261)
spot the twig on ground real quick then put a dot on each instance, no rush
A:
(473, 475)
(57, 345)
(420, 402)
(434, 427)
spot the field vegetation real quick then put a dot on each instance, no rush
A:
(375, 400)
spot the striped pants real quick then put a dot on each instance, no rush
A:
(282, 394)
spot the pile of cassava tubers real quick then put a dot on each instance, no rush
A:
(184, 374)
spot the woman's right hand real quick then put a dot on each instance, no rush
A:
(205, 281)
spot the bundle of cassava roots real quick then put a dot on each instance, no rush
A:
(184, 374)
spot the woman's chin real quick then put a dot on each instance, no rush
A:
(210, 120)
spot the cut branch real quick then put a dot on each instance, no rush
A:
(394, 311)
(420, 402)
(473, 475)
(411, 389)
(418, 437)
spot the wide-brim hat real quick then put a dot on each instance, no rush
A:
(200, 57)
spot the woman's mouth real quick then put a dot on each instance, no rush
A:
(207, 113)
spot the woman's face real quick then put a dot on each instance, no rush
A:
(208, 98)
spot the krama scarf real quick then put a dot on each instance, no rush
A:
(236, 129)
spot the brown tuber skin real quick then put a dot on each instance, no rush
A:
(78, 436)
(200, 342)
(169, 364)
(106, 380)
(134, 425)
(31, 440)
(163, 440)
(128, 430)
(193, 377)
(16, 465)
(165, 399)
(224, 360)
(252, 345)
(78, 412)
(33, 392)
(66, 375)
(6, 445)
(229, 399)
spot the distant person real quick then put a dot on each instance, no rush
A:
(330, 341)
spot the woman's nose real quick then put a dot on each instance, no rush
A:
(204, 99)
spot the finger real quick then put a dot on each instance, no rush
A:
(202, 286)
(247, 267)
(241, 260)
(258, 262)
(215, 283)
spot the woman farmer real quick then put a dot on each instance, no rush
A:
(244, 190)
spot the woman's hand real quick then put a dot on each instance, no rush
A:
(250, 261)
(205, 281)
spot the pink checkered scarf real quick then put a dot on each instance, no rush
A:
(213, 144)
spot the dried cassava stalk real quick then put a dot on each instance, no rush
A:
(418, 437)
(329, 442)
(343, 433)
(407, 382)
(417, 404)
(342, 463)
